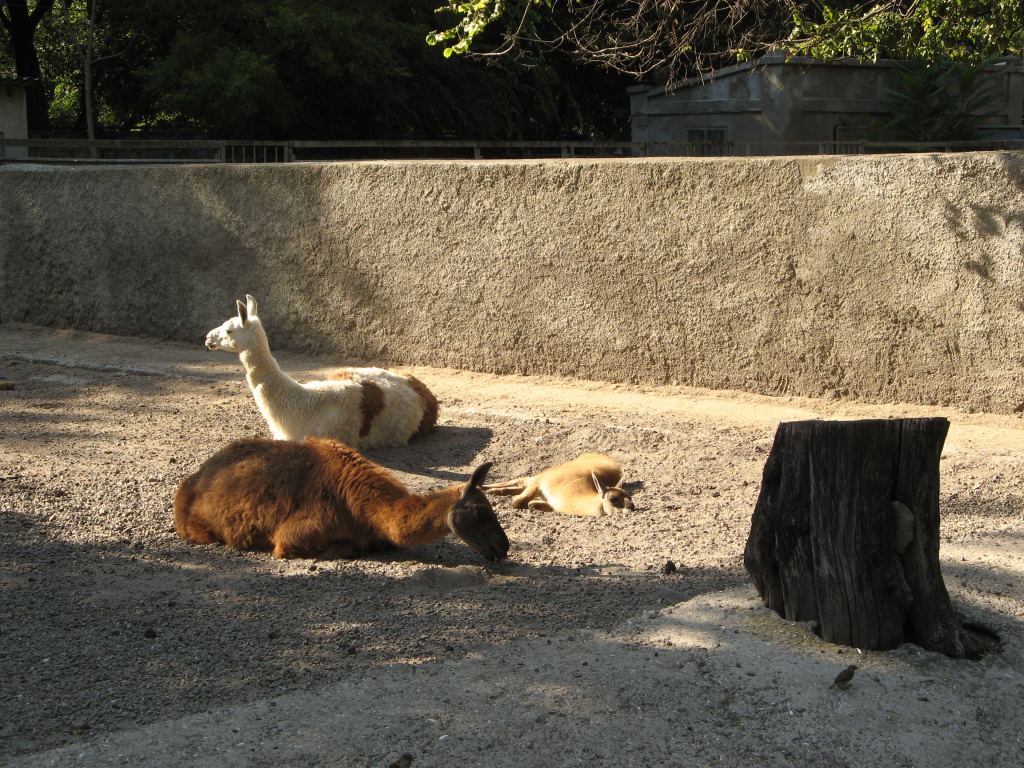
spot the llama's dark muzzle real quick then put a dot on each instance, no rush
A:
(481, 530)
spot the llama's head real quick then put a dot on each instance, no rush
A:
(613, 498)
(238, 333)
(472, 519)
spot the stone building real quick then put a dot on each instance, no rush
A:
(13, 116)
(777, 107)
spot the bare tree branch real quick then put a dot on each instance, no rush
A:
(671, 37)
(122, 52)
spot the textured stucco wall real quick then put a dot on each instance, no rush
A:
(878, 278)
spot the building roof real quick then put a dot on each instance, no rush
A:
(1008, 63)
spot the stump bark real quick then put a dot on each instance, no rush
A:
(845, 533)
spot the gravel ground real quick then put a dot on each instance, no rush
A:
(121, 644)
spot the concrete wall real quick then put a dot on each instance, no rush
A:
(13, 117)
(878, 278)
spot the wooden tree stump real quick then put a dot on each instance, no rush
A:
(846, 534)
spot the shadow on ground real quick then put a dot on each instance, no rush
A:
(103, 637)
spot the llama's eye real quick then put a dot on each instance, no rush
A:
(617, 501)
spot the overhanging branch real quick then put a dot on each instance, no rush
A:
(42, 8)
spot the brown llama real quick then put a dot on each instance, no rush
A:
(320, 496)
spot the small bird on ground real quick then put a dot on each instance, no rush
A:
(844, 678)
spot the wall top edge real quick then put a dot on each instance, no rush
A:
(11, 168)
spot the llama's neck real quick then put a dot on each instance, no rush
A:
(416, 519)
(277, 394)
(261, 369)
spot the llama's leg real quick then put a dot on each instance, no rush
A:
(344, 550)
(193, 530)
(507, 488)
(523, 499)
(539, 505)
(379, 546)
(189, 527)
(298, 537)
(185, 523)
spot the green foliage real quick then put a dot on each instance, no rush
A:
(323, 68)
(924, 30)
(940, 102)
(60, 38)
(309, 69)
(472, 20)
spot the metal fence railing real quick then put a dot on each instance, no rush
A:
(216, 151)
(204, 150)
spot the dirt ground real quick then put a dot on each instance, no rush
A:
(120, 644)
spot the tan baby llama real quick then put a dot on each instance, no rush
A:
(587, 485)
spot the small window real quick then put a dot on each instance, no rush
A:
(846, 140)
(706, 142)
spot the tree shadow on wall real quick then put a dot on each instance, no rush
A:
(981, 224)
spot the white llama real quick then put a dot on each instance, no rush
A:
(362, 407)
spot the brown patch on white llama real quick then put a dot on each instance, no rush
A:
(304, 499)
(429, 420)
(371, 404)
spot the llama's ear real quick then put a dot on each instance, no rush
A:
(243, 312)
(597, 484)
(250, 304)
(479, 475)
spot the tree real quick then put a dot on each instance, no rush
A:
(20, 22)
(81, 27)
(667, 39)
(319, 68)
(845, 534)
(944, 101)
(302, 69)
(674, 38)
(922, 30)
